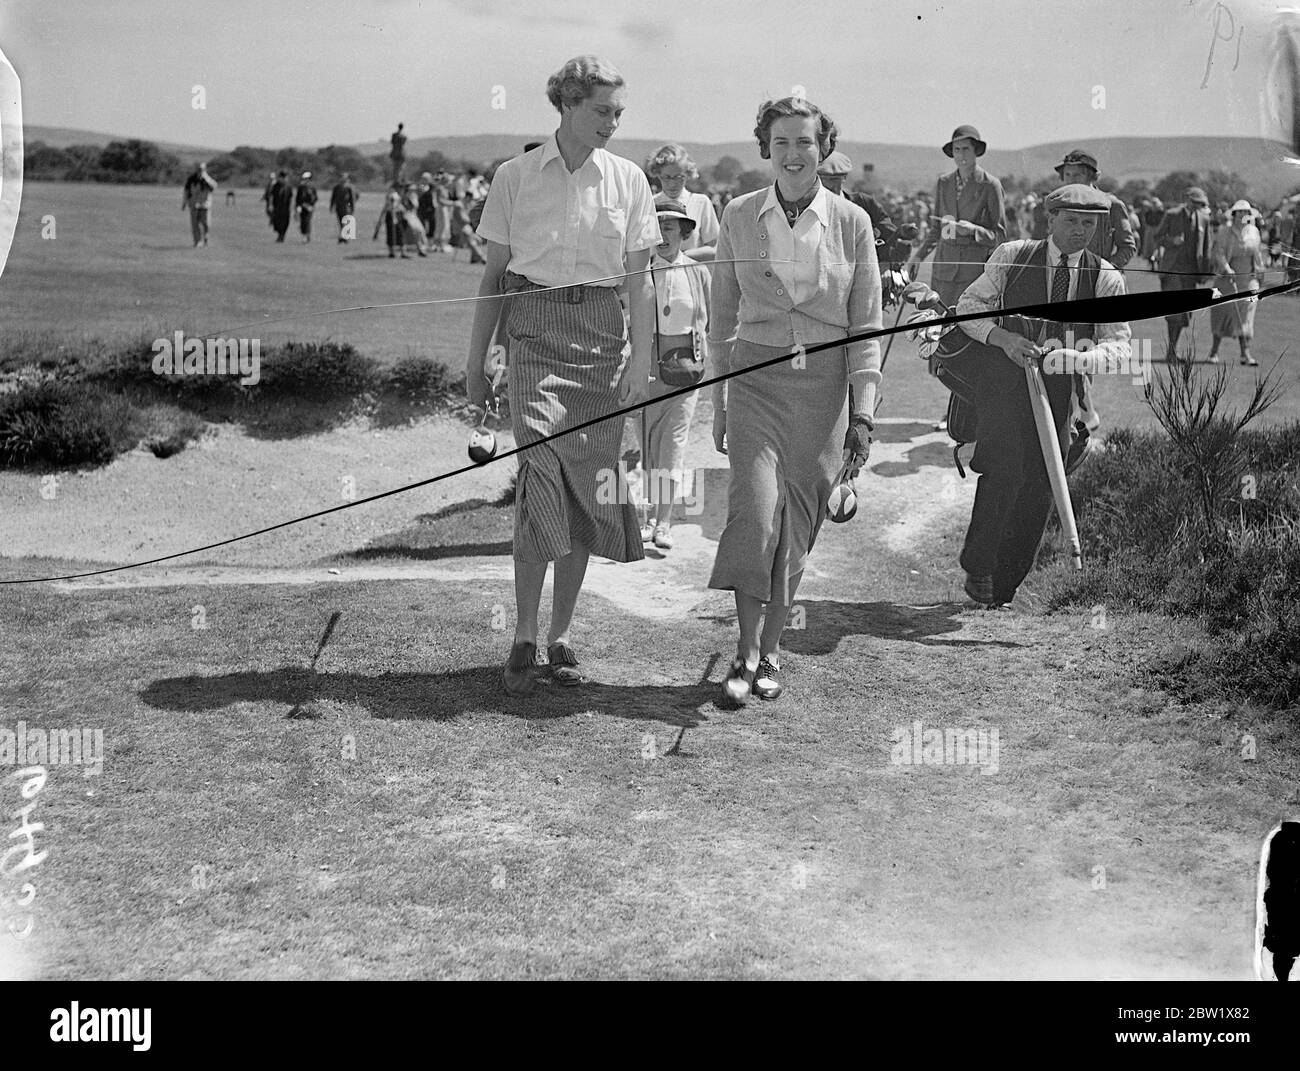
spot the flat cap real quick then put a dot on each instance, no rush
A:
(836, 164)
(1078, 157)
(1077, 198)
(1196, 195)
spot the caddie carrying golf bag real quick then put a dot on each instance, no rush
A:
(950, 362)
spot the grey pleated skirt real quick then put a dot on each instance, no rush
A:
(785, 447)
(563, 362)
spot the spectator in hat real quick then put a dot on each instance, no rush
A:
(967, 222)
(681, 293)
(199, 188)
(1238, 257)
(343, 202)
(833, 172)
(1014, 497)
(305, 202)
(281, 200)
(1182, 243)
(564, 226)
(671, 166)
(1113, 240)
(796, 266)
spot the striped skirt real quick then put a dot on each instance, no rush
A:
(563, 362)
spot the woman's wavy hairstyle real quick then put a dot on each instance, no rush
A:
(772, 110)
(573, 83)
(672, 153)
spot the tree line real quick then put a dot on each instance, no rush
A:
(139, 161)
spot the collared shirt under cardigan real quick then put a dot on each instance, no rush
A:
(752, 300)
(566, 228)
(1110, 340)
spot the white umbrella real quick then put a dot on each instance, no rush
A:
(1051, 447)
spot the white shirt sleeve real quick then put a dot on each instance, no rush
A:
(1111, 342)
(494, 225)
(706, 228)
(642, 228)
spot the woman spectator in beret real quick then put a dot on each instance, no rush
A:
(795, 267)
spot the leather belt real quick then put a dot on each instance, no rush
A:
(513, 283)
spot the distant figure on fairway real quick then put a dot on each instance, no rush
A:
(198, 199)
(230, 197)
(398, 153)
(305, 202)
(343, 203)
(280, 204)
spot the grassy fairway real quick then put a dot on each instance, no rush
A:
(122, 266)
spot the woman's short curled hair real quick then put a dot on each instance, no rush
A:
(666, 156)
(772, 110)
(574, 82)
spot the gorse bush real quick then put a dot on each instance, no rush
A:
(317, 370)
(61, 423)
(1201, 521)
(425, 381)
(115, 394)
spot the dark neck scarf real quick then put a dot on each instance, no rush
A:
(794, 209)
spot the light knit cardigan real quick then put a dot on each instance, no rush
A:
(745, 302)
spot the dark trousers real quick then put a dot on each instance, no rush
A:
(1014, 496)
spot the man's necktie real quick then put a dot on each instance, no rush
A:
(1061, 280)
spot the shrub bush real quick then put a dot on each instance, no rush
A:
(318, 371)
(424, 381)
(61, 423)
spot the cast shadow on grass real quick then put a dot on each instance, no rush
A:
(826, 623)
(432, 696)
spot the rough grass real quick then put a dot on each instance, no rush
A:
(409, 822)
(1136, 507)
(84, 403)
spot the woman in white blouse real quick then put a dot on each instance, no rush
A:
(672, 166)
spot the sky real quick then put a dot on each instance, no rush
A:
(315, 72)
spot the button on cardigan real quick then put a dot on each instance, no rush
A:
(750, 302)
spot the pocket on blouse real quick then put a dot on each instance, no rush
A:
(611, 223)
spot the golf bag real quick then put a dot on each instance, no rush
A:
(951, 364)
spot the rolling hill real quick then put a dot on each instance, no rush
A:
(906, 167)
